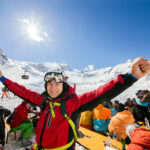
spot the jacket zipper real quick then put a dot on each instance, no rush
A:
(50, 118)
(47, 112)
(48, 123)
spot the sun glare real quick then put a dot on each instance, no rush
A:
(33, 30)
(33, 33)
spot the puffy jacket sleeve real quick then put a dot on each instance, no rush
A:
(110, 90)
(135, 146)
(23, 92)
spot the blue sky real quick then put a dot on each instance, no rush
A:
(79, 33)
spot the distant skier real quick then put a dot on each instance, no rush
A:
(60, 104)
(5, 90)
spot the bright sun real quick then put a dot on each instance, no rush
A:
(32, 31)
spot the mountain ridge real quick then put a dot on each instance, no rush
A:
(86, 80)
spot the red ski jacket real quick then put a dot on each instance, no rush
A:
(56, 132)
(21, 113)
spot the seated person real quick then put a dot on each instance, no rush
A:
(140, 137)
(143, 97)
(118, 122)
(140, 112)
(86, 119)
(20, 122)
(4, 90)
(101, 120)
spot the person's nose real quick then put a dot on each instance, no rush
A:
(54, 87)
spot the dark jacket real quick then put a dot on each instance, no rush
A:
(3, 113)
(56, 132)
(140, 112)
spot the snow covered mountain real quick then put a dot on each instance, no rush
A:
(86, 80)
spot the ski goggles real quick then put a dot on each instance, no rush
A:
(54, 77)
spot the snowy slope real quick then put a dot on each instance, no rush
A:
(86, 80)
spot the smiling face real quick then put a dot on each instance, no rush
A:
(54, 89)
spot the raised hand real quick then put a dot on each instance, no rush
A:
(140, 67)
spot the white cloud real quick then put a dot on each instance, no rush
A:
(24, 21)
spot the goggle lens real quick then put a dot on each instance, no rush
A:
(54, 77)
